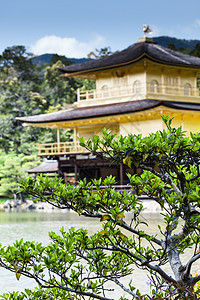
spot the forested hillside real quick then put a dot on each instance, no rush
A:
(29, 88)
(46, 59)
(178, 43)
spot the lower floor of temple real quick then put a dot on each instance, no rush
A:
(79, 167)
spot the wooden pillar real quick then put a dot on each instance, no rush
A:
(145, 88)
(195, 89)
(76, 170)
(58, 139)
(75, 139)
(96, 172)
(180, 92)
(121, 174)
(78, 95)
(162, 81)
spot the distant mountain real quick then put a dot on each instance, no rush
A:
(46, 58)
(179, 43)
(161, 40)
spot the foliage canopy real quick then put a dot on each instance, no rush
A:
(29, 89)
(84, 266)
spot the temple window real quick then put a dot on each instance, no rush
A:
(198, 84)
(119, 81)
(187, 89)
(172, 81)
(105, 91)
(137, 87)
(123, 80)
(154, 86)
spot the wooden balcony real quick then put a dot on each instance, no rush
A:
(142, 91)
(109, 93)
(61, 149)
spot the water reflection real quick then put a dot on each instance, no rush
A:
(36, 225)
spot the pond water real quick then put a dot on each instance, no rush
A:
(36, 225)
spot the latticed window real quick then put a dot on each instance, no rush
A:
(172, 81)
(187, 89)
(105, 91)
(120, 81)
(137, 87)
(154, 86)
(198, 84)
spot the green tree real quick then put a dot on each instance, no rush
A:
(81, 265)
(100, 53)
(65, 61)
(64, 90)
(18, 98)
(172, 46)
(24, 90)
(61, 90)
(16, 60)
(13, 168)
(20, 94)
(196, 50)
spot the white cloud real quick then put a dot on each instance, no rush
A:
(70, 47)
(189, 31)
(197, 22)
(160, 31)
(155, 30)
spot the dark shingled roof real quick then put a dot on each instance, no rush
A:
(134, 53)
(45, 167)
(106, 110)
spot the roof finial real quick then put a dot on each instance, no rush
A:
(146, 29)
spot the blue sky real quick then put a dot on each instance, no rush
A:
(76, 27)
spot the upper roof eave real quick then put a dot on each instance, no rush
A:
(131, 55)
(92, 71)
(89, 71)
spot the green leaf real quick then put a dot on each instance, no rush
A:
(103, 232)
(127, 161)
(105, 218)
(18, 275)
(120, 216)
(123, 236)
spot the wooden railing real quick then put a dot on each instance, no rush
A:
(173, 90)
(109, 93)
(142, 91)
(60, 148)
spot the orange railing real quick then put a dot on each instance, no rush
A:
(61, 148)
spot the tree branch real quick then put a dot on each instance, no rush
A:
(45, 284)
(143, 262)
(195, 177)
(166, 178)
(124, 225)
(126, 289)
(182, 233)
(88, 294)
(137, 232)
(195, 279)
(164, 275)
(189, 265)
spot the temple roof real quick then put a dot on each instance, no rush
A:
(132, 54)
(106, 110)
(45, 167)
